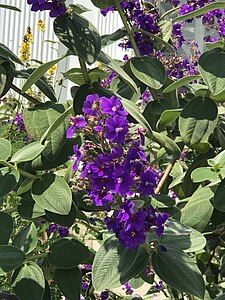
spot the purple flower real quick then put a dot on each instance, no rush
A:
(160, 221)
(116, 129)
(53, 227)
(63, 231)
(105, 11)
(77, 122)
(76, 158)
(148, 182)
(159, 286)
(112, 106)
(104, 295)
(128, 288)
(132, 238)
(18, 120)
(91, 105)
(185, 9)
(55, 6)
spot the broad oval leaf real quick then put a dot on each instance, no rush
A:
(103, 3)
(26, 239)
(8, 180)
(29, 152)
(29, 280)
(181, 82)
(167, 118)
(69, 282)
(10, 258)
(40, 71)
(67, 253)
(198, 210)
(149, 70)
(166, 142)
(115, 264)
(78, 35)
(5, 149)
(212, 69)
(28, 209)
(197, 121)
(204, 174)
(6, 225)
(178, 270)
(219, 197)
(52, 193)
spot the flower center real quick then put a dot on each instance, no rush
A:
(119, 129)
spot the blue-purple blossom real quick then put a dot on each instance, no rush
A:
(128, 288)
(56, 7)
(76, 157)
(91, 105)
(112, 106)
(104, 295)
(63, 231)
(77, 122)
(116, 129)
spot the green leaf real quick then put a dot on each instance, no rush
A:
(8, 54)
(103, 3)
(167, 118)
(134, 111)
(26, 239)
(10, 7)
(52, 193)
(218, 201)
(69, 282)
(218, 161)
(112, 64)
(75, 75)
(115, 264)
(217, 44)
(78, 8)
(40, 71)
(78, 35)
(200, 11)
(109, 39)
(204, 174)
(198, 211)
(25, 186)
(181, 82)
(8, 180)
(197, 121)
(67, 253)
(28, 209)
(29, 280)
(178, 270)
(166, 142)
(41, 120)
(66, 220)
(182, 237)
(10, 258)
(149, 70)
(5, 149)
(211, 67)
(29, 152)
(6, 225)
(3, 80)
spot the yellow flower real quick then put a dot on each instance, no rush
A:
(25, 47)
(52, 70)
(41, 25)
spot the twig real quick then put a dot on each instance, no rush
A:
(165, 175)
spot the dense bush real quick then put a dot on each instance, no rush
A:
(123, 185)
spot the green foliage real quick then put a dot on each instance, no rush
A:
(6, 225)
(10, 258)
(5, 149)
(186, 275)
(114, 264)
(79, 36)
(68, 253)
(52, 193)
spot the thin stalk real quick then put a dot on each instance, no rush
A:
(165, 175)
(22, 172)
(89, 226)
(37, 256)
(10, 210)
(25, 95)
(84, 70)
(170, 11)
(127, 27)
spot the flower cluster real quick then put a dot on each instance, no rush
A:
(142, 19)
(18, 120)
(56, 7)
(62, 230)
(130, 225)
(120, 168)
(117, 169)
(25, 47)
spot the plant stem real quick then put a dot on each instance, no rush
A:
(127, 27)
(84, 70)
(9, 210)
(89, 226)
(22, 172)
(25, 95)
(37, 256)
(165, 175)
